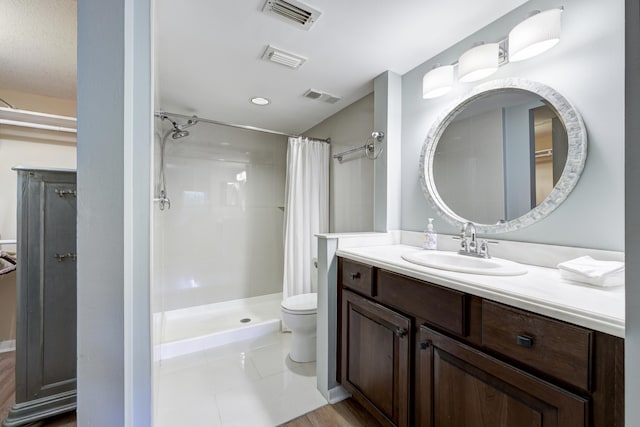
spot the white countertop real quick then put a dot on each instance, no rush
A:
(541, 290)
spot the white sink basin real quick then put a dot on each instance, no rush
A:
(453, 261)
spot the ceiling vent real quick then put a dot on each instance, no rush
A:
(312, 94)
(330, 99)
(301, 15)
(321, 96)
(282, 57)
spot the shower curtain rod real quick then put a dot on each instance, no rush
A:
(234, 125)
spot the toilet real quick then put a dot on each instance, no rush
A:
(299, 314)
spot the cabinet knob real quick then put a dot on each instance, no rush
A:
(524, 341)
(355, 276)
(401, 332)
(424, 345)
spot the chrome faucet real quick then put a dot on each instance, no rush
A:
(469, 244)
(466, 245)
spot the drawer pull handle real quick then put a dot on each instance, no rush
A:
(400, 332)
(524, 341)
(61, 257)
(424, 345)
(355, 276)
(63, 193)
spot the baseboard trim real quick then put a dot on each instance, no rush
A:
(26, 413)
(337, 394)
(7, 346)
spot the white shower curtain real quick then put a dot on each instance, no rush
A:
(306, 211)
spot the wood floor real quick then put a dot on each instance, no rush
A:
(7, 382)
(347, 413)
(7, 394)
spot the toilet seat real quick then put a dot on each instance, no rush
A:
(301, 304)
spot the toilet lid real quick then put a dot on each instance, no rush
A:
(303, 303)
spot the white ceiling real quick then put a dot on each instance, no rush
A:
(208, 52)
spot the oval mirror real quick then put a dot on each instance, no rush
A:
(504, 156)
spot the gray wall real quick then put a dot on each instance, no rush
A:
(587, 67)
(351, 182)
(114, 171)
(387, 101)
(632, 224)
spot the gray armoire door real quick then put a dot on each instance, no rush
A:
(46, 296)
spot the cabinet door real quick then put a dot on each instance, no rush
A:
(46, 321)
(461, 386)
(376, 346)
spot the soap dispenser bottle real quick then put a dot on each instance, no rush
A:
(430, 237)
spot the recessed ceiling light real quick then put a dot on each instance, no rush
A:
(258, 100)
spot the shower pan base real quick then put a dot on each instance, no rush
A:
(193, 329)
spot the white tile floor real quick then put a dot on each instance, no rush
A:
(247, 383)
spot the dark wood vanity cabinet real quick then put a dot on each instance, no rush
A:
(462, 386)
(376, 360)
(415, 353)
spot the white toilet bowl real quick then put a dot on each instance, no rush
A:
(299, 314)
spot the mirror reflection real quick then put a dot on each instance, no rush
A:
(500, 157)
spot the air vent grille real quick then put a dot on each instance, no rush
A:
(290, 11)
(321, 96)
(282, 57)
(295, 12)
(312, 94)
(331, 99)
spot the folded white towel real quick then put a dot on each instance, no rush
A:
(591, 268)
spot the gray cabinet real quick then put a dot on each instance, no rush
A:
(46, 296)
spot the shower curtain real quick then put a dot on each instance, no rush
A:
(306, 211)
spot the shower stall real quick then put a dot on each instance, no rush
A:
(218, 234)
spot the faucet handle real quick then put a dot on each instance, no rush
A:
(483, 251)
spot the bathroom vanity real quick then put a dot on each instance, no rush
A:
(414, 352)
(421, 346)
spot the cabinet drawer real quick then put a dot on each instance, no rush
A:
(356, 276)
(439, 306)
(549, 346)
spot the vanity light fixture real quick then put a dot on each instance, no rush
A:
(479, 62)
(533, 36)
(536, 34)
(258, 100)
(437, 82)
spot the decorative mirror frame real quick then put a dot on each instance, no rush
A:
(576, 155)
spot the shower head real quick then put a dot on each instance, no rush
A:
(177, 134)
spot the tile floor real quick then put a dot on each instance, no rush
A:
(247, 383)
